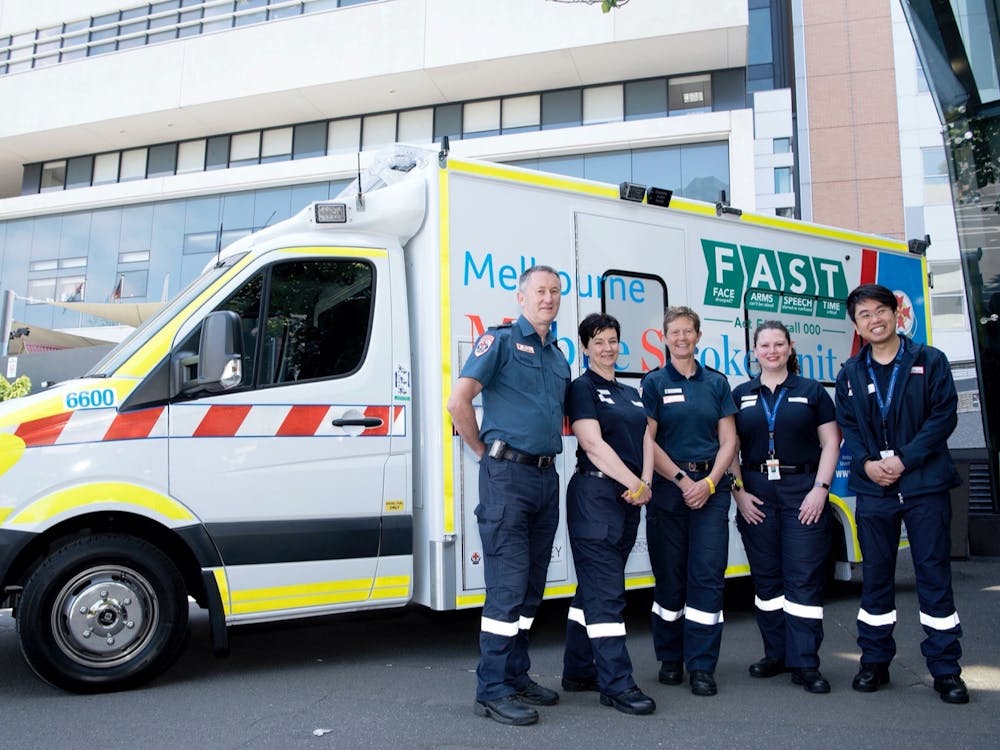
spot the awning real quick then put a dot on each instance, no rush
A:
(126, 313)
(46, 340)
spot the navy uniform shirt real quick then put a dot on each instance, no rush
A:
(619, 412)
(524, 383)
(804, 407)
(687, 410)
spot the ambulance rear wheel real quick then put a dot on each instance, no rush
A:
(106, 612)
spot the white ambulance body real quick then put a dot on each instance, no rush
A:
(274, 443)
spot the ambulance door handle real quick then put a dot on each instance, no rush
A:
(362, 422)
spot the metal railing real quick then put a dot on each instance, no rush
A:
(161, 22)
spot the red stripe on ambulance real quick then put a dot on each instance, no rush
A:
(44, 431)
(302, 420)
(221, 421)
(133, 425)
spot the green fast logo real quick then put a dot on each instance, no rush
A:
(773, 281)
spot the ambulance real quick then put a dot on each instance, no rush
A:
(274, 443)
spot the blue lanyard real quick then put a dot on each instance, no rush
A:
(885, 403)
(771, 415)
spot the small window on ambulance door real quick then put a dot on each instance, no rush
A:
(637, 301)
(318, 319)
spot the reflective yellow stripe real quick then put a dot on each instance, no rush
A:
(817, 230)
(692, 207)
(444, 260)
(37, 410)
(847, 518)
(154, 350)
(639, 582)
(11, 450)
(223, 585)
(4, 512)
(102, 492)
(738, 570)
(337, 252)
(927, 295)
(540, 179)
(249, 601)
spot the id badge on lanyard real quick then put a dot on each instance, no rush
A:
(773, 469)
(772, 464)
(885, 403)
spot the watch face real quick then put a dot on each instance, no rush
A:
(678, 476)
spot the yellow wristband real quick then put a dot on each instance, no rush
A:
(635, 494)
(711, 485)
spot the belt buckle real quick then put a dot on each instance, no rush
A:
(544, 462)
(692, 466)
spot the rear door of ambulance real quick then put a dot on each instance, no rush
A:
(288, 470)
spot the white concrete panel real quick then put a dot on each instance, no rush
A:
(773, 124)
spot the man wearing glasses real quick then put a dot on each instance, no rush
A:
(897, 406)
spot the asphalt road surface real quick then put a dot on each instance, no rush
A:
(405, 679)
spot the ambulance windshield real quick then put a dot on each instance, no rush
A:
(131, 344)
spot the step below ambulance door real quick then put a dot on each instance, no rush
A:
(287, 468)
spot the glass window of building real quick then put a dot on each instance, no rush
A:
(47, 43)
(309, 140)
(40, 266)
(21, 46)
(704, 170)
(614, 167)
(781, 145)
(74, 40)
(132, 29)
(935, 165)
(660, 167)
(948, 296)
(646, 99)
(190, 19)
(162, 160)
(73, 262)
(277, 11)
(783, 179)
(41, 290)
(481, 119)
(345, 136)
(787, 212)
(161, 17)
(103, 27)
(276, 145)
(244, 148)
(729, 90)
(447, 121)
(223, 15)
(520, 113)
(53, 175)
(135, 256)
(760, 49)
(378, 131)
(70, 289)
(106, 168)
(79, 171)
(247, 14)
(131, 285)
(562, 109)
(191, 156)
(603, 104)
(133, 165)
(217, 152)
(690, 94)
(416, 126)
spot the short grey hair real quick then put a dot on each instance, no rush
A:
(522, 280)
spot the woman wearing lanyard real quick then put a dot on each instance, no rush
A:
(689, 409)
(614, 464)
(789, 447)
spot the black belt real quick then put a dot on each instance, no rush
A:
(509, 454)
(694, 465)
(598, 474)
(789, 469)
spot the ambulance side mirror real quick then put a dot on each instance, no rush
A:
(219, 363)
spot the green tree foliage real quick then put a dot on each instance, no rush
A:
(606, 5)
(20, 387)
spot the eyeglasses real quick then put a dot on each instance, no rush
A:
(881, 311)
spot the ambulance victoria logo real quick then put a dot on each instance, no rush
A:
(906, 321)
(484, 343)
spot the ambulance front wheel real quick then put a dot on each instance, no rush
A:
(106, 612)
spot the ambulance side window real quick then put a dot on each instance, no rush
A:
(317, 322)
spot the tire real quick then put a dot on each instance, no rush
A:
(106, 612)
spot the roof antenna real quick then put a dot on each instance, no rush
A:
(443, 153)
(361, 196)
(218, 248)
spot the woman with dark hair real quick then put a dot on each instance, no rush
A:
(689, 409)
(612, 481)
(789, 447)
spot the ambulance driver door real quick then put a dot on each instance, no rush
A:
(287, 468)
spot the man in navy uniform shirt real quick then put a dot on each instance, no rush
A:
(897, 405)
(523, 378)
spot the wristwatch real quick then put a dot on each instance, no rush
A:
(679, 476)
(824, 485)
(736, 483)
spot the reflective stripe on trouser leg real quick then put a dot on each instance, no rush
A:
(878, 534)
(517, 517)
(928, 519)
(706, 576)
(667, 543)
(762, 543)
(602, 531)
(578, 656)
